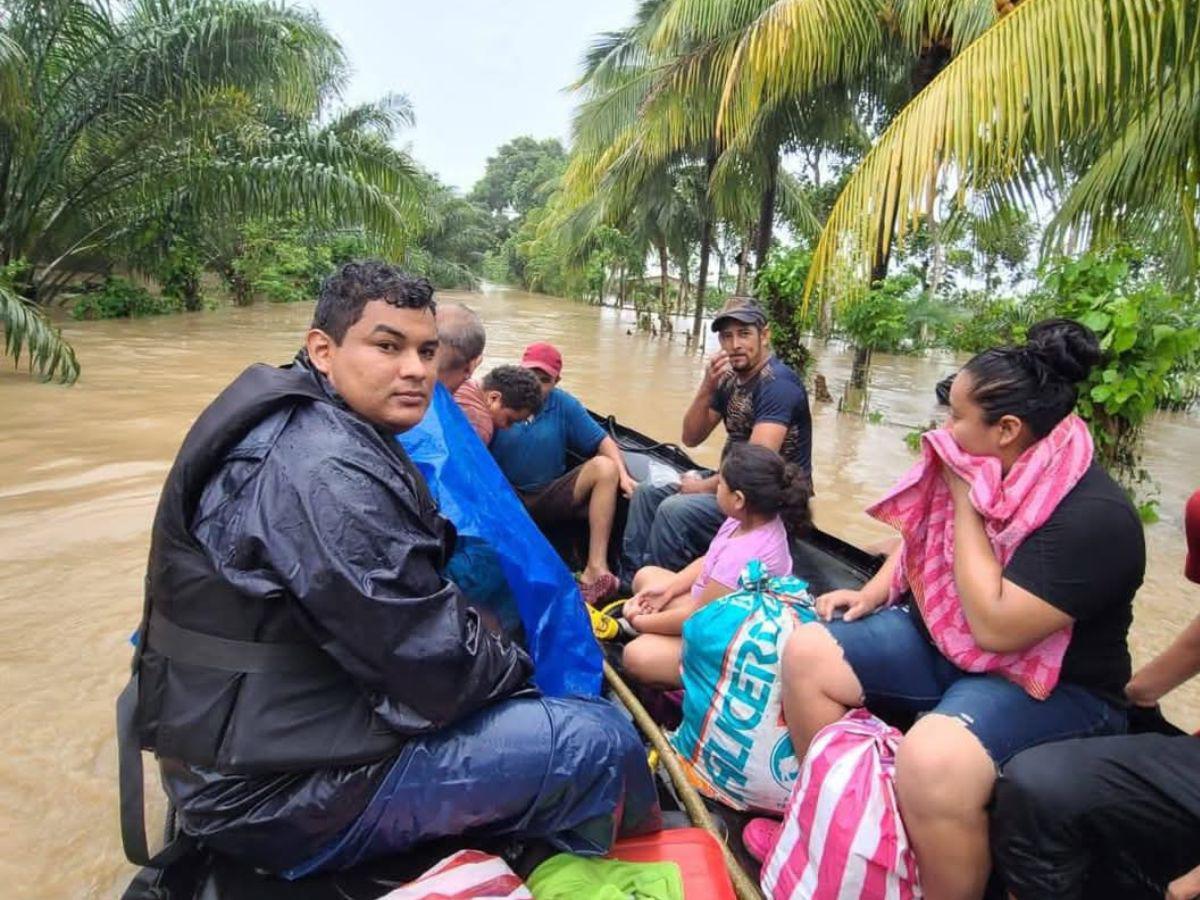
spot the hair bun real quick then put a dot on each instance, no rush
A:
(1065, 347)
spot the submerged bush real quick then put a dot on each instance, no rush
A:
(119, 298)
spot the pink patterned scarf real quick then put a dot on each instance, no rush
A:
(1013, 506)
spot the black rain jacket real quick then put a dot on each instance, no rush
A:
(303, 540)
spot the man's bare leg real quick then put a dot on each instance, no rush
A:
(597, 487)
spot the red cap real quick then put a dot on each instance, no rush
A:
(543, 356)
(1191, 526)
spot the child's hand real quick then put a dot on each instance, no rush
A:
(647, 601)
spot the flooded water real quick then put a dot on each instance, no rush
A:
(81, 468)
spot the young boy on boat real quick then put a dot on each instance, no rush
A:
(505, 396)
(762, 498)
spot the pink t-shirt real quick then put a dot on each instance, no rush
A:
(728, 553)
(471, 401)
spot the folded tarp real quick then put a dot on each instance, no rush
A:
(502, 561)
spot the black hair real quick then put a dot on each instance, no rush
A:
(1036, 381)
(519, 388)
(770, 485)
(942, 390)
(355, 284)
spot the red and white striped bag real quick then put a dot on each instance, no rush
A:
(842, 837)
(467, 874)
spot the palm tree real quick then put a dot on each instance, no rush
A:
(1045, 99)
(122, 118)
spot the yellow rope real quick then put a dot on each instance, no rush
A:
(608, 608)
(743, 884)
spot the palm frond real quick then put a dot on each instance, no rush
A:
(686, 22)
(382, 118)
(27, 331)
(1147, 177)
(12, 64)
(794, 204)
(1048, 82)
(954, 23)
(795, 46)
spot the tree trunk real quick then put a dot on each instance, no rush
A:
(685, 288)
(743, 265)
(766, 211)
(664, 305)
(190, 289)
(929, 63)
(702, 282)
(855, 398)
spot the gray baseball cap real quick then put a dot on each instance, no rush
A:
(740, 309)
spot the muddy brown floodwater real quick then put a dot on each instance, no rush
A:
(81, 468)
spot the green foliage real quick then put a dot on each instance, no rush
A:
(912, 437)
(286, 264)
(119, 298)
(520, 175)
(1144, 333)
(984, 321)
(457, 236)
(879, 319)
(1005, 236)
(133, 134)
(179, 274)
(780, 286)
(27, 330)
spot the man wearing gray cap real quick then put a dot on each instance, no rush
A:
(760, 400)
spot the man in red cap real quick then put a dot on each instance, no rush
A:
(534, 456)
(1110, 816)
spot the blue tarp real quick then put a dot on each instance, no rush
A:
(495, 533)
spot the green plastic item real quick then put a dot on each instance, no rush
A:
(568, 877)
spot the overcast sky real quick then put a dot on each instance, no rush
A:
(478, 72)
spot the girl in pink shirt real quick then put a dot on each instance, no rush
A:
(763, 498)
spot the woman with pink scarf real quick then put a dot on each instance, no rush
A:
(1001, 617)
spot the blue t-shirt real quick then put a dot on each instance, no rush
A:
(532, 454)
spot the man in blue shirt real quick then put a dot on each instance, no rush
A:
(760, 400)
(534, 457)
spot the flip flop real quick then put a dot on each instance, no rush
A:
(759, 837)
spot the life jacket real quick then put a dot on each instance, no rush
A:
(222, 679)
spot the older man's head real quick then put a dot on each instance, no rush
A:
(462, 338)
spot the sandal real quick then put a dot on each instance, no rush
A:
(759, 837)
(596, 592)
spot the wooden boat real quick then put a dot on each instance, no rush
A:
(825, 561)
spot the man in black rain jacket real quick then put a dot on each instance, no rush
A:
(315, 691)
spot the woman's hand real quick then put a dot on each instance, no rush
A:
(959, 488)
(856, 604)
